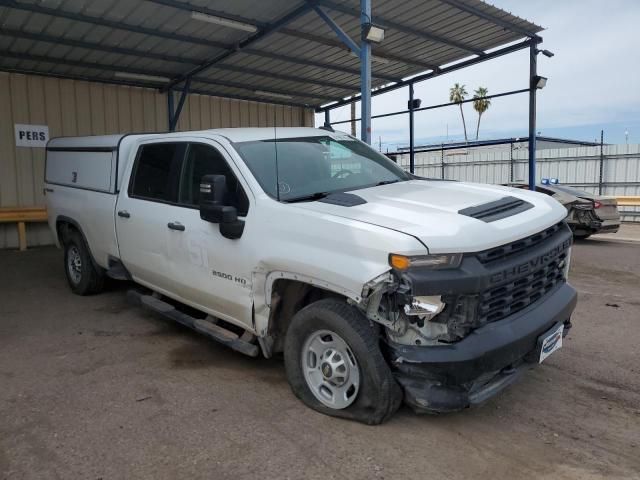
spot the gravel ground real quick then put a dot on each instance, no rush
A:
(92, 388)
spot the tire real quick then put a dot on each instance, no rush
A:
(83, 276)
(377, 394)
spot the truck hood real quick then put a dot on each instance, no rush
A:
(428, 210)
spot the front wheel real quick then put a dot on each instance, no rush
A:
(83, 277)
(334, 364)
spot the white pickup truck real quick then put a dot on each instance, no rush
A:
(375, 284)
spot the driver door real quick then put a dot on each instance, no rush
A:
(213, 273)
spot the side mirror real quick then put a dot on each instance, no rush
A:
(230, 226)
(213, 189)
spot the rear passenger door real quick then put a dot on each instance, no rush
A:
(142, 213)
(213, 273)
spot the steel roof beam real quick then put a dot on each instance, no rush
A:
(403, 28)
(169, 58)
(487, 16)
(288, 78)
(58, 13)
(80, 17)
(377, 52)
(260, 35)
(127, 83)
(40, 37)
(242, 86)
(337, 29)
(137, 71)
(288, 31)
(311, 63)
(426, 76)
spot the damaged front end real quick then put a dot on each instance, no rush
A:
(459, 328)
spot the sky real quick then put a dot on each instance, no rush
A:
(594, 82)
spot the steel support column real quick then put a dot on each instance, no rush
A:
(412, 153)
(601, 169)
(174, 116)
(327, 118)
(533, 72)
(170, 109)
(365, 73)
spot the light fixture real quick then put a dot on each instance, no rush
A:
(416, 104)
(374, 58)
(272, 94)
(546, 53)
(373, 33)
(539, 82)
(142, 76)
(224, 22)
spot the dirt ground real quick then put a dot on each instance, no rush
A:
(92, 388)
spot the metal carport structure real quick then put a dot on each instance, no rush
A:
(309, 53)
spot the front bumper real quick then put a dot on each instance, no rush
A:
(454, 376)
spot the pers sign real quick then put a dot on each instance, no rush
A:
(31, 135)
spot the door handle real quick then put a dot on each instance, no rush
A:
(124, 214)
(176, 226)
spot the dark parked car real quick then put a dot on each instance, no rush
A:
(587, 213)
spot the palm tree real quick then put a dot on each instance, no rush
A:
(480, 104)
(457, 94)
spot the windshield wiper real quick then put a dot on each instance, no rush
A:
(310, 197)
(387, 182)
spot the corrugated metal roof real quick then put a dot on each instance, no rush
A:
(299, 61)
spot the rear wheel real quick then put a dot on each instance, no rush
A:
(83, 276)
(334, 364)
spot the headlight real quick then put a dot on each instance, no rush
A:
(425, 307)
(434, 262)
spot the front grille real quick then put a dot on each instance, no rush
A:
(506, 251)
(508, 298)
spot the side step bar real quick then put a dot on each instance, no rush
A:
(210, 329)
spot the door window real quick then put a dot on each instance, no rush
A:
(155, 171)
(204, 160)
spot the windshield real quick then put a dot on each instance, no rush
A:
(308, 168)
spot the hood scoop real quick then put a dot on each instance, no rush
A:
(343, 199)
(497, 210)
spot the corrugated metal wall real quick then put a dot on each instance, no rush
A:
(72, 107)
(579, 166)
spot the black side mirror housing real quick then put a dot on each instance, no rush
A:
(213, 189)
(230, 226)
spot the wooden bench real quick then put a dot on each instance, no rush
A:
(21, 216)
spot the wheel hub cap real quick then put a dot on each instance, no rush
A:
(74, 264)
(330, 369)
